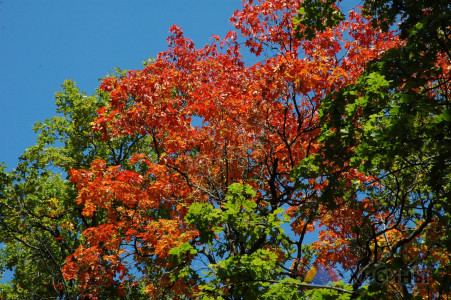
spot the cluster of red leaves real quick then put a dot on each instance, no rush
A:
(259, 122)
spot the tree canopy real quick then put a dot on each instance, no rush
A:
(394, 124)
(205, 176)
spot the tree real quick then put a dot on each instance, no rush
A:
(331, 131)
(393, 124)
(213, 210)
(40, 219)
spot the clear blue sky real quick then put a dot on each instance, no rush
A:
(44, 42)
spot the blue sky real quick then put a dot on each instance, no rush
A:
(44, 42)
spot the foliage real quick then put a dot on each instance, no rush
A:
(330, 133)
(393, 125)
(41, 222)
(215, 212)
(317, 15)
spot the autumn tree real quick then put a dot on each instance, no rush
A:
(223, 208)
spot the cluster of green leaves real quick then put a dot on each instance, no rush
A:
(231, 238)
(243, 249)
(41, 222)
(317, 15)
